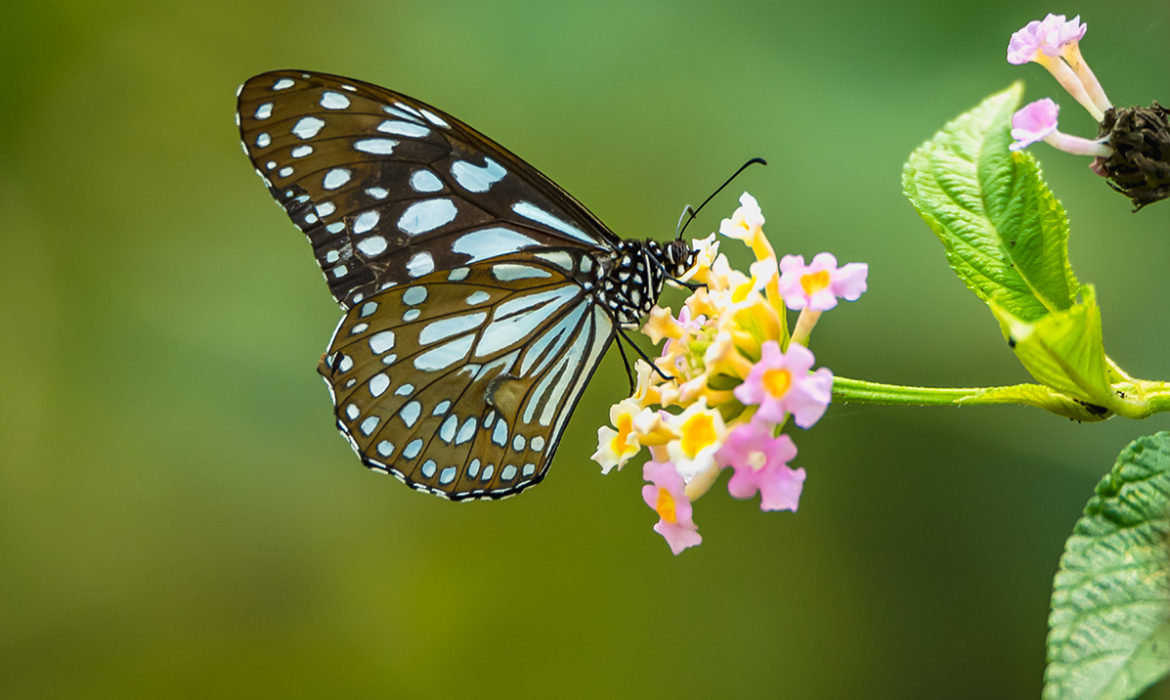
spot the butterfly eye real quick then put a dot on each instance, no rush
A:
(479, 297)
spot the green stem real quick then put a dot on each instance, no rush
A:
(847, 390)
(1134, 398)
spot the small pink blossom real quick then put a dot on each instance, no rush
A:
(666, 494)
(1054, 43)
(760, 461)
(1034, 122)
(1061, 32)
(1049, 36)
(1024, 44)
(818, 285)
(782, 383)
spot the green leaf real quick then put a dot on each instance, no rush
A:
(1109, 631)
(1063, 350)
(1005, 234)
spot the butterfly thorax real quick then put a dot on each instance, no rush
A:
(630, 279)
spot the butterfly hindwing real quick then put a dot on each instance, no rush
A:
(461, 382)
(388, 188)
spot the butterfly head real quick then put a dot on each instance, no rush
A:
(677, 258)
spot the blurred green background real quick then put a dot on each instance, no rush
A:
(178, 515)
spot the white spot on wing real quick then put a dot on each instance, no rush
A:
(334, 100)
(445, 355)
(475, 178)
(447, 429)
(283, 84)
(378, 147)
(427, 215)
(379, 384)
(434, 118)
(466, 431)
(374, 245)
(409, 414)
(447, 327)
(530, 211)
(381, 342)
(425, 181)
(301, 151)
(559, 258)
(420, 264)
(263, 140)
(414, 295)
(366, 221)
(307, 127)
(377, 192)
(399, 128)
(335, 178)
(490, 242)
(509, 272)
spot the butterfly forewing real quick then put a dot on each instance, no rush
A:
(389, 189)
(462, 382)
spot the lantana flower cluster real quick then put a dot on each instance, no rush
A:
(1132, 148)
(729, 378)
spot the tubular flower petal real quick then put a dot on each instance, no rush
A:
(666, 495)
(818, 285)
(760, 461)
(782, 383)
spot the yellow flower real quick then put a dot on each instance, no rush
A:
(700, 432)
(615, 447)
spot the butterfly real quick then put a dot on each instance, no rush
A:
(479, 296)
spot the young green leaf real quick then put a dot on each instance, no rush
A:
(1063, 350)
(1110, 624)
(1005, 234)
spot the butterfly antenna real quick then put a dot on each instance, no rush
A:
(695, 212)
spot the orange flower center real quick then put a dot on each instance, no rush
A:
(665, 506)
(777, 381)
(697, 432)
(814, 282)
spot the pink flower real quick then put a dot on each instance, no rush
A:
(1024, 44)
(666, 494)
(782, 383)
(818, 285)
(1054, 43)
(1034, 122)
(1049, 35)
(760, 462)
